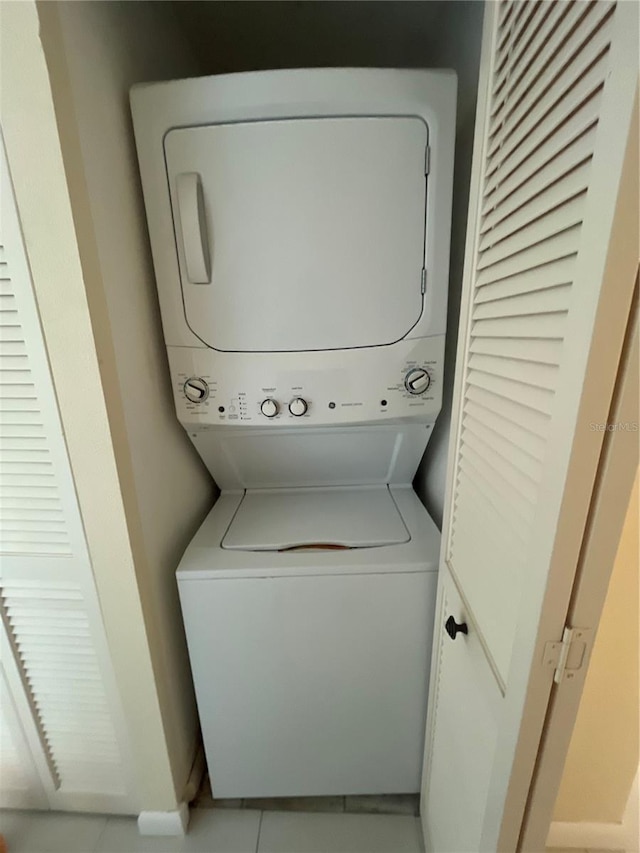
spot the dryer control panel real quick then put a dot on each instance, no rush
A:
(400, 382)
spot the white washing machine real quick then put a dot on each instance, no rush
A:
(299, 223)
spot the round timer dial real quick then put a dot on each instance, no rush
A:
(298, 407)
(196, 390)
(269, 408)
(417, 380)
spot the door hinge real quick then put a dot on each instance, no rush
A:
(423, 281)
(568, 656)
(427, 159)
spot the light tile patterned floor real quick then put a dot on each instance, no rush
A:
(294, 832)
(216, 831)
(405, 804)
(224, 830)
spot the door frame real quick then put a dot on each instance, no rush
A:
(616, 474)
(514, 816)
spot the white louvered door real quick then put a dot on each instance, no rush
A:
(553, 123)
(63, 742)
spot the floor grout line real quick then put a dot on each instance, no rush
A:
(102, 832)
(259, 831)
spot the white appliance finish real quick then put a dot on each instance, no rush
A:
(311, 667)
(352, 517)
(303, 218)
(299, 223)
(288, 458)
(367, 385)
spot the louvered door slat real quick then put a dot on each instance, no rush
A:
(20, 785)
(557, 247)
(540, 140)
(522, 484)
(557, 220)
(478, 514)
(523, 21)
(495, 496)
(48, 606)
(506, 43)
(512, 432)
(531, 372)
(549, 20)
(542, 277)
(547, 53)
(525, 326)
(525, 164)
(504, 223)
(60, 685)
(31, 514)
(518, 143)
(506, 10)
(574, 44)
(487, 479)
(521, 187)
(476, 505)
(543, 17)
(540, 350)
(496, 441)
(549, 300)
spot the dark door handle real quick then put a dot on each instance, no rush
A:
(454, 628)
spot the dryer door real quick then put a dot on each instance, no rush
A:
(303, 234)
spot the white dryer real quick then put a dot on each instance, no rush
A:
(299, 223)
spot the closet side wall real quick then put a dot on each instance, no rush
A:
(95, 52)
(603, 755)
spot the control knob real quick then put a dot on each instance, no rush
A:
(298, 407)
(417, 380)
(269, 408)
(196, 389)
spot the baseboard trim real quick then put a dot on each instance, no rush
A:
(164, 823)
(602, 836)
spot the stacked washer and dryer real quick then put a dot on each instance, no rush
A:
(299, 223)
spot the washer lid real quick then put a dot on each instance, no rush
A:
(303, 234)
(280, 519)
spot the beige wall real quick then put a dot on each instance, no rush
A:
(95, 51)
(603, 756)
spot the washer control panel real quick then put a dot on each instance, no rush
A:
(196, 389)
(417, 381)
(402, 381)
(269, 407)
(298, 407)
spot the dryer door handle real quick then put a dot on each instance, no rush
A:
(193, 227)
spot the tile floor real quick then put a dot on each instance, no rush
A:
(216, 831)
(224, 830)
(400, 804)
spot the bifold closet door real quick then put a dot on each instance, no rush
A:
(20, 781)
(62, 727)
(542, 325)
